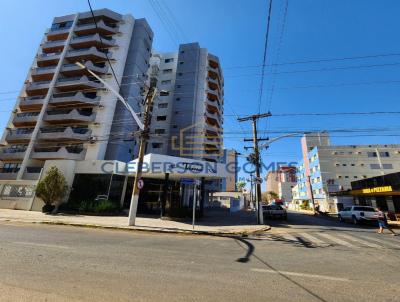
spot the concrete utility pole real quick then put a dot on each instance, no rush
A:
(144, 135)
(311, 192)
(256, 159)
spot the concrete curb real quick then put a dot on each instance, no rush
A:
(243, 233)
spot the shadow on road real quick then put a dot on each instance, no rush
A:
(250, 252)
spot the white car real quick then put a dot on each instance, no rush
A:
(357, 214)
(274, 211)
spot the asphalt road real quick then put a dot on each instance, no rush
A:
(308, 259)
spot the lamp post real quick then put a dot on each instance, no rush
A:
(143, 136)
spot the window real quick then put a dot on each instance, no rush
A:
(161, 118)
(178, 86)
(339, 176)
(352, 165)
(176, 112)
(163, 105)
(157, 145)
(181, 63)
(165, 82)
(169, 60)
(159, 131)
(174, 126)
(337, 165)
(384, 154)
(180, 74)
(374, 166)
(178, 99)
(344, 165)
(167, 71)
(387, 166)
(355, 176)
(182, 51)
(346, 176)
(372, 154)
(364, 176)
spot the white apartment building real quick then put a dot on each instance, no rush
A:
(327, 168)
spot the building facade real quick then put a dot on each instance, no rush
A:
(64, 117)
(63, 112)
(381, 191)
(282, 182)
(327, 168)
(188, 121)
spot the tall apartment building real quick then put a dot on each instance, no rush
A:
(327, 168)
(188, 122)
(282, 181)
(64, 113)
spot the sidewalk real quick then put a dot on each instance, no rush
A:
(214, 223)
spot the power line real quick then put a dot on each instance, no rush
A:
(264, 57)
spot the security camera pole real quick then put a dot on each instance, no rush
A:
(256, 159)
(144, 127)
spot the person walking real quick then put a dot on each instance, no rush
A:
(383, 224)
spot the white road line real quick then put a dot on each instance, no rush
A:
(42, 245)
(383, 242)
(337, 240)
(363, 242)
(312, 239)
(288, 237)
(270, 271)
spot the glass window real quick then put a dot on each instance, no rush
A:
(165, 82)
(161, 118)
(167, 71)
(374, 166)
(163, 105)
(387, 166)
(169, 60)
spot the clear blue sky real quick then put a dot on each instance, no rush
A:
(234, 30)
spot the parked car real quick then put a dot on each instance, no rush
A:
(274, 211)
(357, 214)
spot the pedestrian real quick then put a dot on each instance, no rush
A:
(382, 221)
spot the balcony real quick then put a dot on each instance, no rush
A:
(31, 102)
(43, 73)
(87, 54)
(213, 118)
(213, 105)
(74, 152)
(78, 83)
(91, 28)
(212, 132)
(74, 70)
(37, 88)
(59, 116)
(25, 119)
(19, 135)
(12, 154)
(92, 40)
(58, 33)
(48, 59)
(53, 46)
(65, 134)
(76, 99)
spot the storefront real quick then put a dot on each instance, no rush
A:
(166, 188)
(380, 191)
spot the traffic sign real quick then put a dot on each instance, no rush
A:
(258, 180)
(140, 184)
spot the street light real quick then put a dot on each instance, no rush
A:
(143, 136)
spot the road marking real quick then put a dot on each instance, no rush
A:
(270, 271)
(337, 240)
(289, 237)
(388, 243)
(42, 245)
(312, 239)
(351, 238)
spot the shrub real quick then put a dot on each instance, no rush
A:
(99, 207)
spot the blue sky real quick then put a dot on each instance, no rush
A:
(234, 30)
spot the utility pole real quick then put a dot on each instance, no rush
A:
(256, 159)
(311, 192)
(144, 135)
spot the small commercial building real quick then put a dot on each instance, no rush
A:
(380, 191)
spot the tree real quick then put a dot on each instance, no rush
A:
(52, 189)
(268, 196)
(240, 185)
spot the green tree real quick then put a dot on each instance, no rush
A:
(268, 196)
(52, 188)
(240, 185)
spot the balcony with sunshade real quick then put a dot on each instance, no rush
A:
(48, 59)
(72, 152)
(77, 83)
(101, 27)
(61, 116)
(13, 153)
(97, 40)
(75, 99)
(31, 102)
(65, 133)
(37, 88)
(44, 73)
(71, 69)
(19, 135)
(25, 119)
(88, 54)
